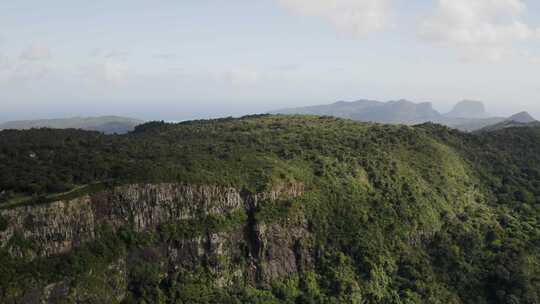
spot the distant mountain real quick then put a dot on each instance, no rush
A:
(467, 115)
(342, 109)
(468, 109)
(470, 124)
(400, 111)
(522, 119)
(104, 124)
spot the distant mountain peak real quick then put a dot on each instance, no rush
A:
(468, 109)
(519, 120)
(522, 117)
(467, 115)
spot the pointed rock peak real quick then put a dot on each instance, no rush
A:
(522, 117)
(468, 109)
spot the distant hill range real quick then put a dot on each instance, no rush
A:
(522, 119)
(467, 115)
(104, 124)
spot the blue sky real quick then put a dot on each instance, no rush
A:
(178, 60)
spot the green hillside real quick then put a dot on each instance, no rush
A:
(390, 214)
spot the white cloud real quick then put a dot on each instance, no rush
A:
(113, 72)
(106, 72)
(479, 28)
(241, 76)
(24, 70)
(535, 59)
(36, 51)
(357, 17)
(109, 66)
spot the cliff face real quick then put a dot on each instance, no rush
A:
(58, 227)
(272, 250)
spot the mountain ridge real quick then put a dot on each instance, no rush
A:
(519, 120)
(467, 115)
(107, 124)
(522, 117)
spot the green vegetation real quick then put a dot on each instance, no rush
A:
(4, 224)
(397, 214)
(44, 198)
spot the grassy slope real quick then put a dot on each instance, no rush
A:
(400, 214)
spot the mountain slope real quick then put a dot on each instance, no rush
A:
(105, 124)
(401, 111)
(522, 119)
(469, 124)
(270, 209)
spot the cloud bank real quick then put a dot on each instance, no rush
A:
(356, 17)
(479, 28)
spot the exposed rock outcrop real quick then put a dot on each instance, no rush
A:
(270, 250)
(60, 226)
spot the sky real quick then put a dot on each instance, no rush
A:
(177, 60)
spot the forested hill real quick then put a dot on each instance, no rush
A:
(372, 213)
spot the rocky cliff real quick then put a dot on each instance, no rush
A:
(272, 249)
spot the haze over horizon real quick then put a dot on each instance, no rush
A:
(195, 59)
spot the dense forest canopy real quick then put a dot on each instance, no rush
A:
(399, 214)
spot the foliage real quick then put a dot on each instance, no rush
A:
(399, 214)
